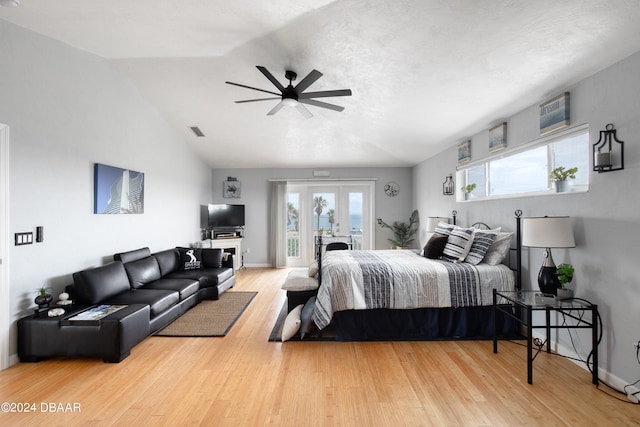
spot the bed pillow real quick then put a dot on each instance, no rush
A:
(307, 326)
(482, 241)
(444, 228)
(291, 323)
(313, 269)
(458, 244)
(435, 246)
(499, 249)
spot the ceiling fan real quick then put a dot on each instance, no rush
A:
(294, 96)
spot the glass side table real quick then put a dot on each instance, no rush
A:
(527, 303)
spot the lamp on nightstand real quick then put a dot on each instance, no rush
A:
(548, 232)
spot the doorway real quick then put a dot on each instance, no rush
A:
(330, 209)
(4, 247)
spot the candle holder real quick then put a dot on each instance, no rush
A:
(607, 156)
(448, 186)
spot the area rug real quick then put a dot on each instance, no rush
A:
(210, 318)
(326, 334)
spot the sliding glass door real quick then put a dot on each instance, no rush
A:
(331, 209)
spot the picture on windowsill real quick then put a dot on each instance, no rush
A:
(231, 190)
(464, 152)
(498, 137)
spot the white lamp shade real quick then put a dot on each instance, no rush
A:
(432, 222)
(547, 232)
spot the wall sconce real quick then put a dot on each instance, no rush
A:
(448, 186)
(606, 157)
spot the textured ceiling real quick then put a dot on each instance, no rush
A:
(424, 73)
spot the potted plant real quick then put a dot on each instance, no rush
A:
(467, 189)
(44, 298)
(560, 175)
(565, 275)
(403, 233)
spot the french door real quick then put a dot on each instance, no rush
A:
(330, 209)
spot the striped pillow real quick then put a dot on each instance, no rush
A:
(482, 241)
(444, 228)
(458, 244)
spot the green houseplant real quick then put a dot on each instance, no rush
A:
(44, 298)
(467, 189)
(403, 233)
(560, 175)
(565, 275)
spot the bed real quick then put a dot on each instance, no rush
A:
(400, 294)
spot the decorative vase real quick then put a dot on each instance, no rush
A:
(564, 293)
(43, 300)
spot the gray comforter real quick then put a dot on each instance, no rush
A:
(399, 279)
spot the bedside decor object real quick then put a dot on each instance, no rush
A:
(608, 157)
(391, 189)
(554, 114)
(548, 232)
(448, 186)
(231, 189)
(565, 275)
(44, 298)
(464, 152)
(559, 177)
(498, 137)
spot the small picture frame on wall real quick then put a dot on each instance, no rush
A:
(231, 189)
(464, 152)
(498, 137)
(554, 114)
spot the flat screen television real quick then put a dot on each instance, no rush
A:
(223, 215)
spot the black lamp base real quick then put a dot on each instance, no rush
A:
(548, 280)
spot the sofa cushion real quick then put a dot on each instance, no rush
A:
(132, 255)
(98, 284)
(158, 300)
(184, 287)
(142, 271)
(168, 261)
(190, 259)
(207, 276)
(211, 258)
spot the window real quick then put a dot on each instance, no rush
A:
(526, 171)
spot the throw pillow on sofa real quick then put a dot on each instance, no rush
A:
(190, 259)
(211, 258)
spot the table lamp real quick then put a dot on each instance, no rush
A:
(548, 232)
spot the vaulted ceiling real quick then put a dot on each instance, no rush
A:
(424, 73)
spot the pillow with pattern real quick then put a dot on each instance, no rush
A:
(458, 244)
(482, 240)
(190, 259)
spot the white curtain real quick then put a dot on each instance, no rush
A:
(278, 238)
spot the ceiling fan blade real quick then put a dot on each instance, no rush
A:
(254, 88)
(321, 104)
(272, 79)
(304, 110)
(308, 81)
(254, 100)
(276, 109)
(325, 94)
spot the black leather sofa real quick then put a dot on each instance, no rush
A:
(170, 282)
(155, 288)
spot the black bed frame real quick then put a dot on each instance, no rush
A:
(427, 323)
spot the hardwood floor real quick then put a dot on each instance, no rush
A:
(244, 380)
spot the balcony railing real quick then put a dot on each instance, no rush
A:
(293, 242)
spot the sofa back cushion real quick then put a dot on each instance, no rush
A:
(211, 258)
(132, 255)
(168, 260)
(142, 271)
(100, 283)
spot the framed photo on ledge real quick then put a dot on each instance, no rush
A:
(231, 189)
(498, 137)
(464, 152)
(554, 114)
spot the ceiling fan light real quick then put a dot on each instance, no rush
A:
(290, 102)
(10, 3)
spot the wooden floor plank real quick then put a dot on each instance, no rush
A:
(244, 380)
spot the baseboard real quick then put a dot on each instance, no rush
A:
(258, 266)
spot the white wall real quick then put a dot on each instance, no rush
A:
(256, 196)
(68, 110)
(606, 221)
